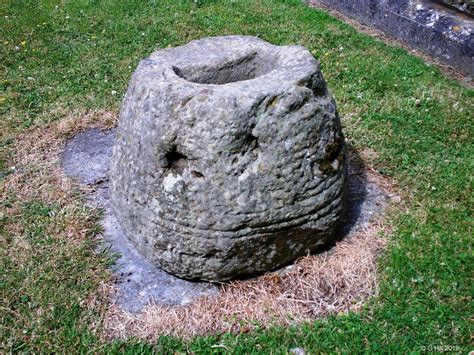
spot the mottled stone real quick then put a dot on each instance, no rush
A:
(229, 158)
(86, 158)
(139, 282)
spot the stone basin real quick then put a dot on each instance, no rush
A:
(229, 158)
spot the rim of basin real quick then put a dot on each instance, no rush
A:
(217, 61)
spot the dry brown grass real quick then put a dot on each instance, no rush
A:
(36, 178)
(336, 281)
(36, 153)
(35, 156)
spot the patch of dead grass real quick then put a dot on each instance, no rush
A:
(37, 179)
(34, 158)
(37, 176)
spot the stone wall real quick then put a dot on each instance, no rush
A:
(443, 33)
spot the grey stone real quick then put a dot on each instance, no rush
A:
(86, 158)
(91, 149)
(138, 281)
(365, 199)
(229, 158)
(297, 351)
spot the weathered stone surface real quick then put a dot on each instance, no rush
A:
(86, 158)
(139, 282)
(90, 149)
(229, 158)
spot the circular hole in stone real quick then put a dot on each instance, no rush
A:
(249, 66)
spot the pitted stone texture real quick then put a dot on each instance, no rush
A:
(229, 158)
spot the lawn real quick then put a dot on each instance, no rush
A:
(65, 66)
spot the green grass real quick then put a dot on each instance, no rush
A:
(58, 57)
